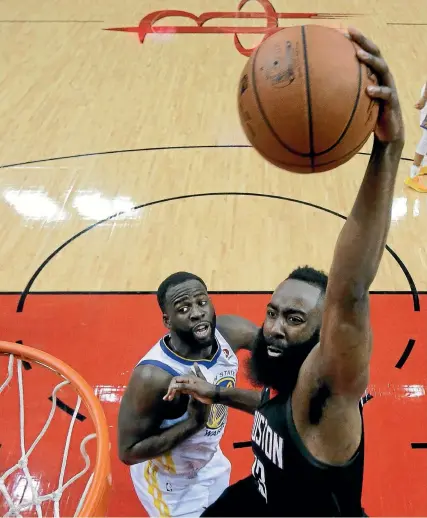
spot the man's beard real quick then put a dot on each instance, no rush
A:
(188, 338)
(280, 373)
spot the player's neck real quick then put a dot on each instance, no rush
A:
(189, 351)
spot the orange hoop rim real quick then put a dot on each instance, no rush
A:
(102, 467)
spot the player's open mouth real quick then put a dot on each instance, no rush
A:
(274, 352)
(202, 330)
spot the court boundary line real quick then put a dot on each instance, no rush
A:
(156, 148)
(406, 353)
(26, 290)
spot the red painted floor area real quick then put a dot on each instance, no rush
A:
(104, 336)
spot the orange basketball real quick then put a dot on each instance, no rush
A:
(302, 99)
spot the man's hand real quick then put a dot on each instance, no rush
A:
(193, 385)
(390, 127)
(204, 392)
(419, 105)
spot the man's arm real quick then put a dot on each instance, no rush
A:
(239, 332)
(241, 399)
(245, 400)
(142, 410)
(345, 346)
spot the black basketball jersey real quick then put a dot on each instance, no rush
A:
(291, 480)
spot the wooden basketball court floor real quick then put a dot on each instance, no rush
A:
(122, 160)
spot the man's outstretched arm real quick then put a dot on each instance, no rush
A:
(345, 346)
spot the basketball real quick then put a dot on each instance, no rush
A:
(302, 99)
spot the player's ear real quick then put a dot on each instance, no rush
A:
(166, 321)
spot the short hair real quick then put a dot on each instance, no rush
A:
(173, 280)
(310, 276)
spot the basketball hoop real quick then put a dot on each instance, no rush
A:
(94, 499)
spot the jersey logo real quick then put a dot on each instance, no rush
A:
(267, 439)
(226, 352)
(218, 413)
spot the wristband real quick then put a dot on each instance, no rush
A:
(217, 396)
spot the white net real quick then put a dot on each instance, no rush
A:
(16, 507)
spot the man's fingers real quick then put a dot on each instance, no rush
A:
(182, 379)
(378, 66)
(181, 388)
(174, 386)
(344, 32)
(380, 92)
(170, 394)
(198, 371)
(363, 42)
(369, 54)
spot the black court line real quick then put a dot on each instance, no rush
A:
(139, 150)
(405, 354)
(69, 410)
(26, 291)
(367, 398)
(419, 445)
(243, 444)
(119, 151)
(59, 403)
(27, 365)
(408, 277)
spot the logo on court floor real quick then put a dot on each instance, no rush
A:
(218, 413)
(148, 24)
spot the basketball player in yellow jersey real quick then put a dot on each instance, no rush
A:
(177, 466)
(419, 166)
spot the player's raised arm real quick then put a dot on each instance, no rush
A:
(142, 410)
(345, 345)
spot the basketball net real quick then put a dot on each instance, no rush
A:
(93, 501)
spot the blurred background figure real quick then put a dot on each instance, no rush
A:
(419, 166)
